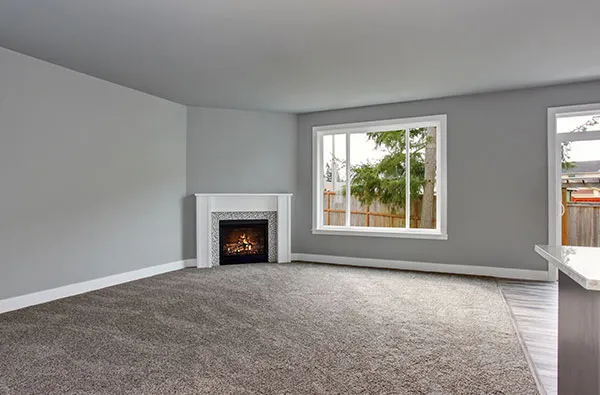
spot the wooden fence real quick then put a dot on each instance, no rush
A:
(581, 224)
(374, 215)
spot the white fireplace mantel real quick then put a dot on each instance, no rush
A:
(209, 203)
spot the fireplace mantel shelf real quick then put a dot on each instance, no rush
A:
(244, 204)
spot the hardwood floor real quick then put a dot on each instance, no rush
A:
(534, 306)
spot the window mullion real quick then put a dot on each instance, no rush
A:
(334, 166)
(320, 180)
(407, 179)
(348, 196)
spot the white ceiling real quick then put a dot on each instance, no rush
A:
(306, 55)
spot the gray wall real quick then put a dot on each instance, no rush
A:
(92, 177)
(237, 151)
(497, 178)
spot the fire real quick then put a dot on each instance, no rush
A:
(243, 245)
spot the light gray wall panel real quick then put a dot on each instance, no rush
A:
(497, 178)
(237, 151)
(92, 177)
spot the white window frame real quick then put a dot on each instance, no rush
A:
(437, 121)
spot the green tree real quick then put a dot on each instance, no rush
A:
(565, 154)
(385, 180)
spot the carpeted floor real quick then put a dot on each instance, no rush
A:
(269, 329)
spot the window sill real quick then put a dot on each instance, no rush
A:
(383, 232)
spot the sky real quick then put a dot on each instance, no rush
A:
(580, 150)
(361, 149)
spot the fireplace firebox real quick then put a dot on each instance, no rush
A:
(243, 241)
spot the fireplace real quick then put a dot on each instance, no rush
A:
(213, 208)
(243, 241)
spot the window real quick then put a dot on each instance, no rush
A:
(383, 178)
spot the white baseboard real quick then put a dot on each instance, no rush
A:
(19, 302)
(190, 262)
(500, 272)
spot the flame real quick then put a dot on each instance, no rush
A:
(243, 245)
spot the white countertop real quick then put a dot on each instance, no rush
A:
(582, 264)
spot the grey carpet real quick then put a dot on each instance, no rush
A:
(269, 329)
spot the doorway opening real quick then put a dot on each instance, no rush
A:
(573, 177)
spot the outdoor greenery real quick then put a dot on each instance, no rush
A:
(565, 151)
(385, 180)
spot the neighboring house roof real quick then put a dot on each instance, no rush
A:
(592, 166)
(584, 173)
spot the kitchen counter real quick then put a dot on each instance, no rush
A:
(581, 264)
(578, 317)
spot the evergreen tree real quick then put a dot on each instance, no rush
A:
(385, 180)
